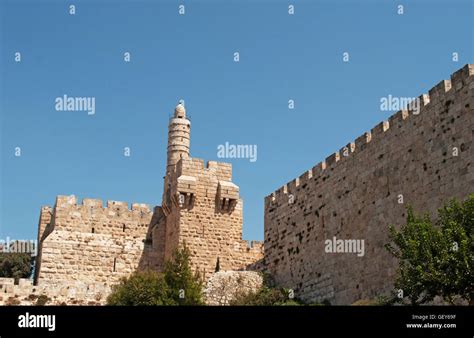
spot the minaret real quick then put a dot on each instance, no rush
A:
(179, 130)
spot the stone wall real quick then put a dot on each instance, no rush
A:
(70, 293)
(205, 213)
(154, 250)
(420, 160)
(46, 214)
(90, 244)
(223, 286)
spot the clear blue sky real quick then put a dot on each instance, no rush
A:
(282, 57)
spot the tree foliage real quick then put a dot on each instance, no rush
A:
(185, 288)
(15, 265)
(435, 259)
(177, 285)
(141, 288)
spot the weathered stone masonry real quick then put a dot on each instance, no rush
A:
(86, 248)
(89, 243)
(426, 159)
(357, 196)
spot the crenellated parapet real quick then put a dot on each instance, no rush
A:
(255, 246)
(437, 96)
(63, 201)
(91, 216)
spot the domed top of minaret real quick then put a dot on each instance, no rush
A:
(180, 111)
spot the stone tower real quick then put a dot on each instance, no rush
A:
(201, 208)
(179, 130)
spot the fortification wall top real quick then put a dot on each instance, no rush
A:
(63, 201)
(254, 244)
(437, 95)
(90, 216)
(196, 166)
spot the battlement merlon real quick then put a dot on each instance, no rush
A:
(46, 214)
(223, 170)
(256, 245)
(437, 95)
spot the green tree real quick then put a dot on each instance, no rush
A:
(16, 265)
(177, 285)
(141, 288)
(456, 221)
(185, 288)
(435, 259)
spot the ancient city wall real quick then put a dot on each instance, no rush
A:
(91, 244)
(72, 293)
(420, 160)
